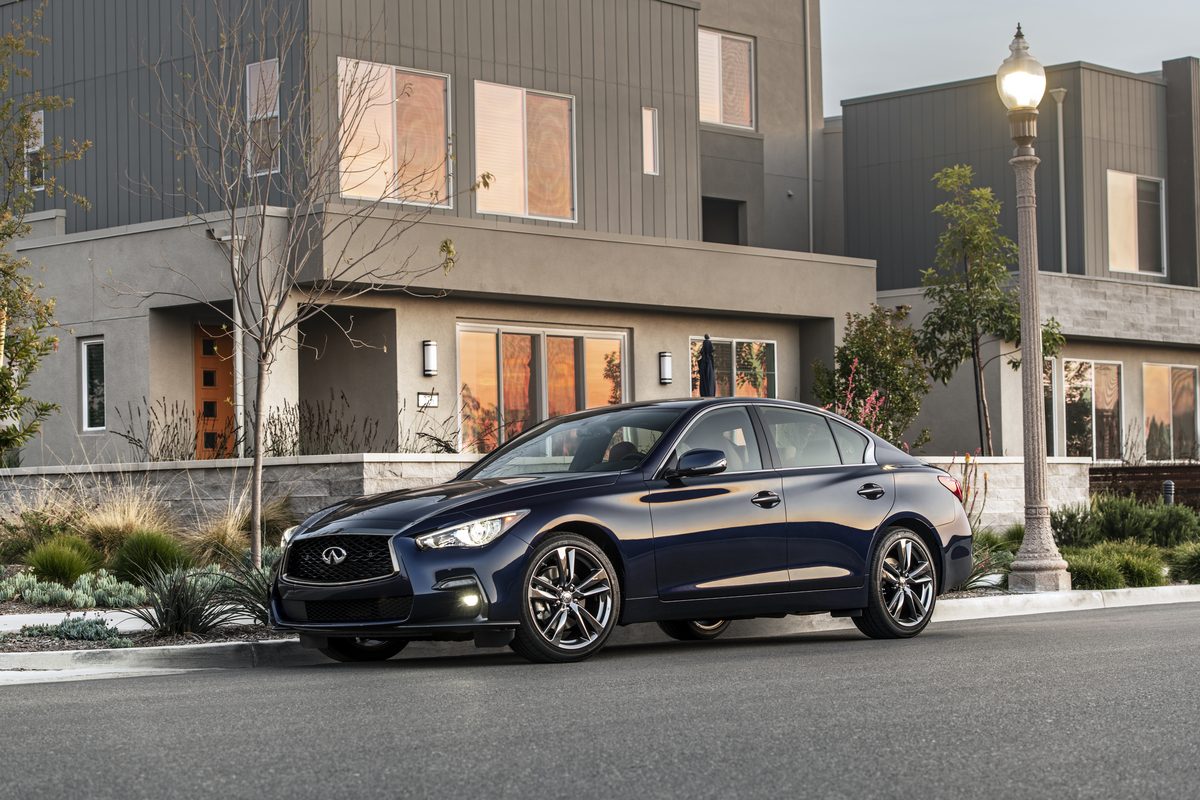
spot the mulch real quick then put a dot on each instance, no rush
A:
(18, 643)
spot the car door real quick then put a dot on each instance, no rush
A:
(725, 534)
(834, 499)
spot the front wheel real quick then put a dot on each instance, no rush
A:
(694, 630)
(572, 601)
(353, 649)
(902, 589)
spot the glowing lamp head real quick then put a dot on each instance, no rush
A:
(1021, 80)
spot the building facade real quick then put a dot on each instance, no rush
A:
(1118, 189)
(657, 174)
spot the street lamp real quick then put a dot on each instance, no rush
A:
(1038, 567)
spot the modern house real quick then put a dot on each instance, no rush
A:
(1118, 194)
(657, 177)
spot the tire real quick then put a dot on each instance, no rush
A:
(350, 649)
(694, 630)
(571, 601)
(901, 590)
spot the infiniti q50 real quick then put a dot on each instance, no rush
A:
(687, 513)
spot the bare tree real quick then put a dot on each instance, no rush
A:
(268, 120)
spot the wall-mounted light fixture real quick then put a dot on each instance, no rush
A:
(429, 350)
(664, 367)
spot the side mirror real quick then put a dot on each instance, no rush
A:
(695, 463)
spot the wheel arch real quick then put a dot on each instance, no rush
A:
(923, 529)
(597, 535)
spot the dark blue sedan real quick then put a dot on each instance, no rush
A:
(687, 513)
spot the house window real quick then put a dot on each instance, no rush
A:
(262, 117)
(726, 73)
(650, 151)
(1169, 405)
(744, 368)
(1092, 409)
(1135, 224)
(35, 152)
(395, 134)
(512, 378)
(525, 141)
(92, 381)
(1048, 401)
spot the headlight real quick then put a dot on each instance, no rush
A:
(287, 535)
(475, 533)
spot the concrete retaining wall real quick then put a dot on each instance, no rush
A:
(1066, 484)
(197, 489)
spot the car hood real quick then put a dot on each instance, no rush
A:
(403, 509)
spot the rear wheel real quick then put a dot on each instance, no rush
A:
(572, 601)
(693, 630)
(902, 589)
(356, 649)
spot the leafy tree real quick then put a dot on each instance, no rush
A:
(878, 379)
(973, 297)
(26, 319)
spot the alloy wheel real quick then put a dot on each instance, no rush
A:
(906, 582)
(570, 598)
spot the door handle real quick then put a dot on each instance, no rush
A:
(765, 499)
(871, 491)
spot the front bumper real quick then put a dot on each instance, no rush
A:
(454, 594)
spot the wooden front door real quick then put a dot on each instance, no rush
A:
(215, 435)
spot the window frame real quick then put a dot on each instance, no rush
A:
(1123, 400)
(733, 378)
(721, 36)
(1195, 415)
(543, 393)
(277, 160)
(449, 114)
(656, 142)
(1056, 379)
(85, 345)
(40, 148)
(1162, 221)
(573, 138)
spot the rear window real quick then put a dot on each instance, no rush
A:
(852, 443)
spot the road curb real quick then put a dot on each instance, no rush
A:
(287, 652)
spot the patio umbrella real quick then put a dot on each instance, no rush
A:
(707, 368)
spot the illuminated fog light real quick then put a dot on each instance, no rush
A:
(470, 600)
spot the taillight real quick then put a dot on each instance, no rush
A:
(951, 483)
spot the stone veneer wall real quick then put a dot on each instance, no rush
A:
(198, 489)
(1066, 484)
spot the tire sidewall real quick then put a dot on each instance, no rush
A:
(529, 636)
(876, 606)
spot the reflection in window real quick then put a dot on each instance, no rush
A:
(93, 385)
(1048, 401)
(801, 439)
(729, 431)
(1092, 409)
(1135, 223)
(726, 78)
(1169, 406)
(752, 375)
(503, 375)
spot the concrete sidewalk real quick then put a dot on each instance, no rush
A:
(74, 664)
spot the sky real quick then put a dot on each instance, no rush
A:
(873, 46)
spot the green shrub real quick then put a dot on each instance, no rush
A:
(185, 601)
(989, 557)
(1012, 536)
(1174, 525)
(1092, 570)
(107, 591)
(80, 629)
(27, 529)
(1075, 526)
(1185, 562)
(98, 589)
(125, 511)
(143, 553)
(1120, 518)
(1141, 564)
(62, 560)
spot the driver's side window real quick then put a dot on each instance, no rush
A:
(728, 430)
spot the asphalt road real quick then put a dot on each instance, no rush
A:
(1087, 704)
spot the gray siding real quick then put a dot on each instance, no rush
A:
(612, 56)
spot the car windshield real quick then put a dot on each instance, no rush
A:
(606, 442)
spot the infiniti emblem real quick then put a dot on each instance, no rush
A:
(333, 555)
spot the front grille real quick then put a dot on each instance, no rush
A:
(367, 557)
(369, 610)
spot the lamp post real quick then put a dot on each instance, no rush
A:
(1038, 567)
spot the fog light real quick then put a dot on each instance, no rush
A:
(470, 600)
